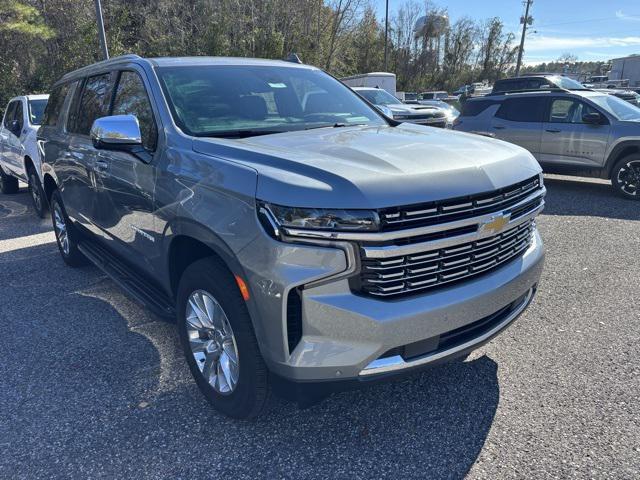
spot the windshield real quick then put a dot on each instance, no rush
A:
(379, 97)
(568, 83)
(620, 109)
(223, 100)
(36, 111)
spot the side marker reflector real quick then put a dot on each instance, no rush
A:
(244, 290)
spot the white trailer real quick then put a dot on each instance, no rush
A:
(626, 68)
(384, 80)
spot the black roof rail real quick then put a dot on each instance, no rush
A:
(530, 90)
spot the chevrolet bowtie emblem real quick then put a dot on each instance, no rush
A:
(495, 224)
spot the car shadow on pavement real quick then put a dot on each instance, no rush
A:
(587, 197)
(94, 385)
(18, 218)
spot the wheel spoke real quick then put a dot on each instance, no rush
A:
(212, 342)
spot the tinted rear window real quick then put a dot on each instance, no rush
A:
(54, 105)
(471, 108)
(528, 109)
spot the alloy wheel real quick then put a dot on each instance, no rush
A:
(212, 342)
(60, 227)
(629, 178)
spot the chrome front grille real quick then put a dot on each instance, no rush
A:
(392, 276)
(439, 212)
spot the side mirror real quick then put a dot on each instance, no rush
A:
(593, 118)
(120, 133)
(117, 132)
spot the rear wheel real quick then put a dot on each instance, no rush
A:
(8, 183)
(625, 177)
(219, 342)
(66, 234)
(37, 193)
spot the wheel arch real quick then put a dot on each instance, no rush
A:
(49, 186)
(621, 150)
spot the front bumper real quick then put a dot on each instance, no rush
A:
(344, 334)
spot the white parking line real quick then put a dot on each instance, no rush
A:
(25, 242)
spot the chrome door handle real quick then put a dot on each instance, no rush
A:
(102, 166)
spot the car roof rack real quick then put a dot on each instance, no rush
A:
(530, 90)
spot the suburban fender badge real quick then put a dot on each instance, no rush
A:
(495, 224)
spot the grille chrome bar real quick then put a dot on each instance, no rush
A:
(409, 273)
(406, 217)
(392, 251)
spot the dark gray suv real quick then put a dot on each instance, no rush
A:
(303, 241)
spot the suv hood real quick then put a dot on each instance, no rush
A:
(417, 109)
(373, 167)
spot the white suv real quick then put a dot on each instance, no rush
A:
(19, 155)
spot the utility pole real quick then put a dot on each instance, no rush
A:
(101, 34)
(526, 21)
(386, 33)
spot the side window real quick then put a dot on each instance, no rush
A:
(527, 109)
(567, 110)
(54, 105)
(131, 98)
(473, 108)
(19, 115)
(9, 114)
(93, 103)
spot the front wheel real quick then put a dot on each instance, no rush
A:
(219, 341)
(37, 194)
(625, 177)
(8, 184)
(66, 234)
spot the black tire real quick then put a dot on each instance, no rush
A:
(251, 392)
(625, 177)
(37, 194)
(8, 184)
(70, 252)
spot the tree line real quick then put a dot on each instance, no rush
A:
(40, 40)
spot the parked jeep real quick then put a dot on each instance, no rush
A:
(578, 132)
(19, 155)
(303, 243)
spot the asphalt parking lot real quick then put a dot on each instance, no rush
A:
(91, 385)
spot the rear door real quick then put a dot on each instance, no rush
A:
(567, 140)
(519, 121)
(78, 163)
(124, 182)
(12, 146)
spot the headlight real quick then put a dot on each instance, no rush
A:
(323, 219)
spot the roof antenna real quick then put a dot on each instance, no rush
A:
(293, 58)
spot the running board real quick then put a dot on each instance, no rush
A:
(132, 282)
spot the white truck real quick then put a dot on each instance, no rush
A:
(383, 80)
(19, 154)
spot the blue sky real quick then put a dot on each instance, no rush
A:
(590, 29)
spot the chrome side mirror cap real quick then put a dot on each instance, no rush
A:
(116, 132)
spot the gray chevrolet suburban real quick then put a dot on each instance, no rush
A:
(303, 241)
(572, 132)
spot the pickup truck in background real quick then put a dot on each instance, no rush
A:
(19, 155)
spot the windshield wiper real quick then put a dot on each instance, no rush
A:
(337, 125)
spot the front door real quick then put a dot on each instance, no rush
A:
(125, 183)
(567, 140)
